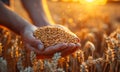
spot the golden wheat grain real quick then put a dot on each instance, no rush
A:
(52, 35)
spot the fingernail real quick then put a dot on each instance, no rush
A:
(40, 47)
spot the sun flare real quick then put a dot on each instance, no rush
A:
(87, 2)
(93, 2)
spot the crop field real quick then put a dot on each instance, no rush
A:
(98, 28)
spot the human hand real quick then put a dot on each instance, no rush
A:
(64, 48)
(33, 44)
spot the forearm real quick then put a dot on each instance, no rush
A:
(10, 19)
(39, 15)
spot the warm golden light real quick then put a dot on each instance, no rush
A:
(93, 2)
(89, 0)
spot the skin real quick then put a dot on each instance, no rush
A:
(39, 15)
(25, 29)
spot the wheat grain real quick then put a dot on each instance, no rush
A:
(52, 35)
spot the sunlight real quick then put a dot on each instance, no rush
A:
(93, 2)
(89, 0)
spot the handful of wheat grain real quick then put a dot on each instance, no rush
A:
(52, 35)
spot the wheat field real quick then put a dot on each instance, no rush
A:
(98, 29)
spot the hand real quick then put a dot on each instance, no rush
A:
(64, 48)
(33, 44)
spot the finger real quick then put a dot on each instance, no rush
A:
(39, 54)
(71, 48)
(30, 48)
(49, 52)
(78, 45)
(56, 48)
(35, 42)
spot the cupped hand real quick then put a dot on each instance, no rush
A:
(64, 48)
(33, 44)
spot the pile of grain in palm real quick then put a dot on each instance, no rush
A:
(52, 35)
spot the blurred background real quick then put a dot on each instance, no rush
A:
(77, 14)
(90, 20)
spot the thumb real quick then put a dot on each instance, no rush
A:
(36, 43)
